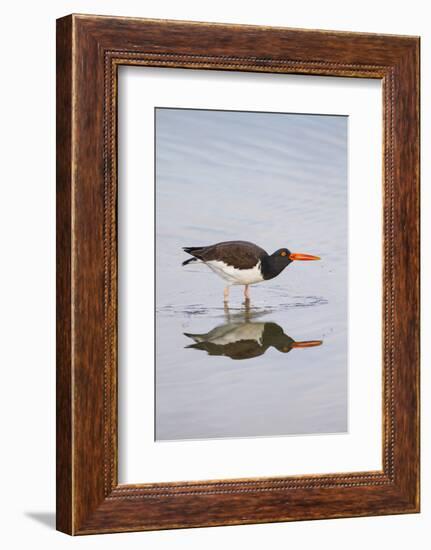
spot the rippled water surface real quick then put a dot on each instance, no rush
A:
(279, 366)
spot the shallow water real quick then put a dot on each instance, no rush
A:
(279, 181)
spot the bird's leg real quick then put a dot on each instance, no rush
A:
(247, 311)
(246, 293)
(226, 294)
(227, 311)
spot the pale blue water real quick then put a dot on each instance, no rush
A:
(279, 180)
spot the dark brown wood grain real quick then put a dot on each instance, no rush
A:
(64, 288)
(89, 51)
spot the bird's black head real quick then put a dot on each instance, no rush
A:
(282, 257)
(274, 264)
(275, 336)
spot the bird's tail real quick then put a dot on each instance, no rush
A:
(189, 261)
(196, 337)
(191, 249)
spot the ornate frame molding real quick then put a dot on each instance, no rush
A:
(90, 49)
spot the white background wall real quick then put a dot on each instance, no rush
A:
(27, 308)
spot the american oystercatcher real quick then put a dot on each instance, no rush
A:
(243, 263)
(245, 340)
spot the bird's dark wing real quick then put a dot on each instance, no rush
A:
(241, 254)
(243, 349)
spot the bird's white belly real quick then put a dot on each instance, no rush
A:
(238, 332)
(236, 276)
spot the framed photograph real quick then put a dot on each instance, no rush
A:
(237, 274)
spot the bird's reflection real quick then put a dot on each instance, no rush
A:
(246, 339)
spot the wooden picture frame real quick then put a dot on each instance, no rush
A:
(89, 51)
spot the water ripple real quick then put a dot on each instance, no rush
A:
(191, 310)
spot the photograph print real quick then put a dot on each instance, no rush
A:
(251, 252)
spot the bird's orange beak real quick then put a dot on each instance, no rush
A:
(307, 344)
(303, 257)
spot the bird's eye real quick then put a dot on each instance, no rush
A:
(284, 253)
